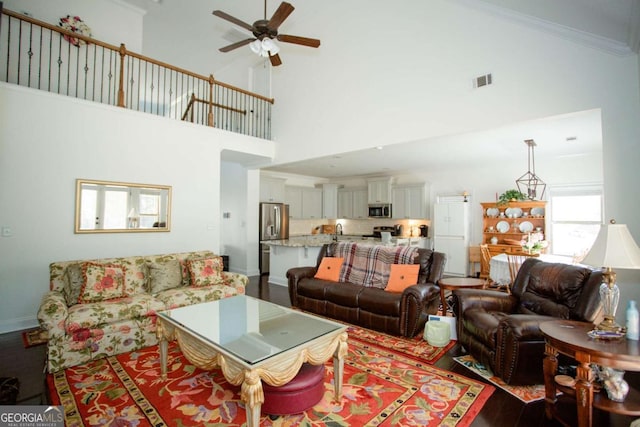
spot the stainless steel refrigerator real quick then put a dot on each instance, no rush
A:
(274, 225)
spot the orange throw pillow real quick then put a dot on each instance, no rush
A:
(329, 269)
(402, 276)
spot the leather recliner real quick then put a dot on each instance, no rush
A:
(502, 331)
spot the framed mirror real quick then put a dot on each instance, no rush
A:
(121, 207)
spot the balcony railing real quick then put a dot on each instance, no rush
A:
(39, 55)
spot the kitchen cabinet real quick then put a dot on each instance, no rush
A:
(508, 224)
(409, 201)
(311, 203)
(272, 189)
(452, 230)
(352, 203)
(304, 202)
(330, 201)
(379, 190)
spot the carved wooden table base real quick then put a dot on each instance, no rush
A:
(276, 371)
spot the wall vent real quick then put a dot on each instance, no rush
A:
(482, 81)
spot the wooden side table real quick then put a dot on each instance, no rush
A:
(570, 338)
(451, 283)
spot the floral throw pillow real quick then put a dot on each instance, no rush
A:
(206, 271)
(102, 282)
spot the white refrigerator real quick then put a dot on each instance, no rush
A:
(452, 229)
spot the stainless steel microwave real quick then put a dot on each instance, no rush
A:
(382, 210)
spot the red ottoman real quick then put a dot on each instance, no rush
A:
(301, 393)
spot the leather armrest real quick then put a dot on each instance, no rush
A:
(523, 327)
(421, 291)
(485, 299)
(294, 275)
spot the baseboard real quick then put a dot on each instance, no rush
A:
(19, 324)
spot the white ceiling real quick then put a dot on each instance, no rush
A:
(612, 25)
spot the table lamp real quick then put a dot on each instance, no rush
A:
(614, 248)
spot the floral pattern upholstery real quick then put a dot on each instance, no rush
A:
(80, 332)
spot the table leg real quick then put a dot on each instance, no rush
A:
(253, 396)
(338, 366)
(443, 301)
(584, 394)
(164, 346)
(550, 367)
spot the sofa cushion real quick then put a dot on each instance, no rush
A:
(401, 276)
(553, 290)
(380, 302)
(329, 269)
(102, 282)
(369, 266)
(96, 314)
(163, 275)
(205, 271)
(188, 295)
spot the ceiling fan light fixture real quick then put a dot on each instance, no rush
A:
(270, 46)
(256, 46)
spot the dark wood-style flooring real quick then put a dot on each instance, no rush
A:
(502, 409)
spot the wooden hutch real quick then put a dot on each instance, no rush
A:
(505, 225)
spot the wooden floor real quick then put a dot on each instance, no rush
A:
(502, 409)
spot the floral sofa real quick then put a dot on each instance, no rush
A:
(98, 308)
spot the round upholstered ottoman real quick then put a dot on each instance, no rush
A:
(301, 393)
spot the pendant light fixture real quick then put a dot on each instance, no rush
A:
(530, 183)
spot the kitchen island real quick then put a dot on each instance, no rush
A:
(300, 251)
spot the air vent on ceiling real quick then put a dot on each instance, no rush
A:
(482, 80)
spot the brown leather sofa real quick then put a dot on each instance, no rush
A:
(403, 314)
(502, 331)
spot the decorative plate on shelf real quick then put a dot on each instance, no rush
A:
(513, 212)
(493, 212)
(537, 212)
(526, 226)
(503, 226)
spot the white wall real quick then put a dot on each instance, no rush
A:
(111, 21)
(48, 141)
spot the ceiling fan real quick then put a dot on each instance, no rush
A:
(265, 31)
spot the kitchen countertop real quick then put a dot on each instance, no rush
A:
(315, 240)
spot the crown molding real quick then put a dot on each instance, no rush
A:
(568, 33)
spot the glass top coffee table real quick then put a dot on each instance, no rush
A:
(252, 341)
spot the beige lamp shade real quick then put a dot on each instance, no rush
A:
(615, 248)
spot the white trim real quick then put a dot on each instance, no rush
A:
(568, 33)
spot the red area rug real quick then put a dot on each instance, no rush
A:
(382, 386)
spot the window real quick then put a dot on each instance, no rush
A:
(576, 217)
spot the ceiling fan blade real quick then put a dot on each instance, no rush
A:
(226, 16)
(283, 11)
(305, 41)
(275, 60)
(236, 45)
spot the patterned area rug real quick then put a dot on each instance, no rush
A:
(382, 386)
(525, 393)
(34, 337)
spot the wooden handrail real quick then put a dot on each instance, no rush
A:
(194, 99)
(123, 52)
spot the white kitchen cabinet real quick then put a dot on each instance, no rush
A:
(452, 229)
(379, 190)
(272, 189)
(311, 203)
(352, 203)
(330, 201)
(293, 198)
(304, 202)
(360, 205)
(409, 202)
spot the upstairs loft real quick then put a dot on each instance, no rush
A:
(43, 56)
